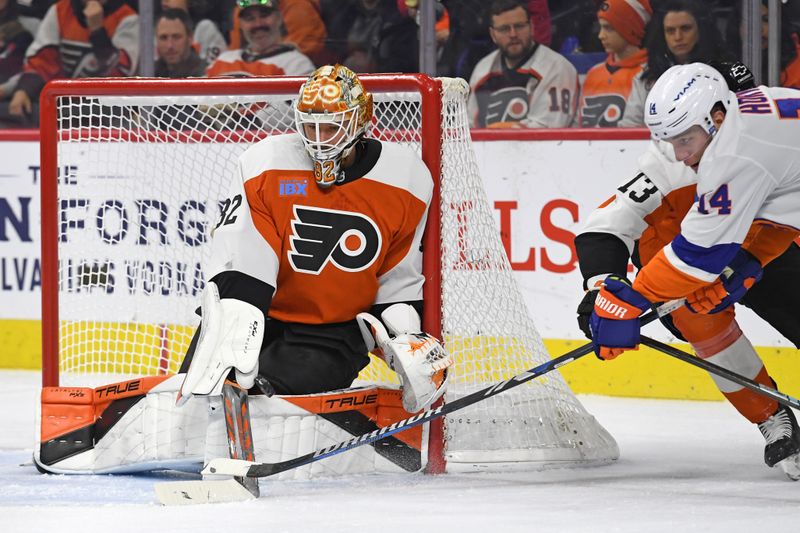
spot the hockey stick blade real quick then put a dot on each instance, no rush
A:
(712, 368)
(194, 492)
(232, 467)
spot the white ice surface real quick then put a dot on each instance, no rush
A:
(685, 466)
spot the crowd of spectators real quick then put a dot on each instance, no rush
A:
(531, 63)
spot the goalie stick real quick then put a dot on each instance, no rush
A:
(251, 469)
(240, 446)
(723, 372)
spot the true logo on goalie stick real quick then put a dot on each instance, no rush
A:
(351, 241)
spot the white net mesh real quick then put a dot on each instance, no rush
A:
(491, 334)
(140, 185)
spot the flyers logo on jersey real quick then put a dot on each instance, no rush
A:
(351, 241)
(509, 104)
(603, 110)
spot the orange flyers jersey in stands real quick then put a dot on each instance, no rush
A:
(285, 60)
(65, 48)
(605, 91)
(330, 253)
(749, 173)
(541, 92)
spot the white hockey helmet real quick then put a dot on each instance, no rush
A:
(683, 97)
(332, 99)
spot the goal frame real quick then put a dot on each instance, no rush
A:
(428, 88)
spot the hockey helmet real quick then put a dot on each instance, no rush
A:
(683, 97)
(333, 112)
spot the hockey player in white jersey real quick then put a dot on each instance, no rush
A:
(747, 158)
(522, 84)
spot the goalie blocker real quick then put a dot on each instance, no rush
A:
(135, 426)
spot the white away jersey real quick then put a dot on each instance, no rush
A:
(749, 173)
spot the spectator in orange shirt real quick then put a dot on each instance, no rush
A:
(304, 27)
(78, 39)
(264, 53)
(607, 85)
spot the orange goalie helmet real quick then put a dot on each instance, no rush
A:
(333, 112)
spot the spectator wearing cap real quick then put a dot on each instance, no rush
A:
(264, 53)
(303, 27)
(608, 85)
(522, 84)
(176, 56)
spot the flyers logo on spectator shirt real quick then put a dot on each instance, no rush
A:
(351, 241)
(604, 110)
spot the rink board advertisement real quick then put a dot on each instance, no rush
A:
(541, 191)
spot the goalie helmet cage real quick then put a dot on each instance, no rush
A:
(134, 173)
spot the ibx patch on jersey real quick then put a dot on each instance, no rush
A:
(351, 241)
(292, 187)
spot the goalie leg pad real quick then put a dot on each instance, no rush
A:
(285, 427)
(130, 426)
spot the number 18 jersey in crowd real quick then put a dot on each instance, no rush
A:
(541, 91)
(332, 252)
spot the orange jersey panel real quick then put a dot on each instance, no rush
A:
(332, 244)
(664, 223)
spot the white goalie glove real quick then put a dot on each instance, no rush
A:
(231, 333)
(418, 358)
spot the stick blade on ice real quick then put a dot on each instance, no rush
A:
(195, 492)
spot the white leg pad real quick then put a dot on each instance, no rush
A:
(84, 433)
(151, 434)
(283, 429)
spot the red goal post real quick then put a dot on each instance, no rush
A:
(430, 152)
(110, 306)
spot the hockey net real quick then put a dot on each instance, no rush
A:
(134, 172)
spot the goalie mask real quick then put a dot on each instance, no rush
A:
(683, 97)
(332, 114)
